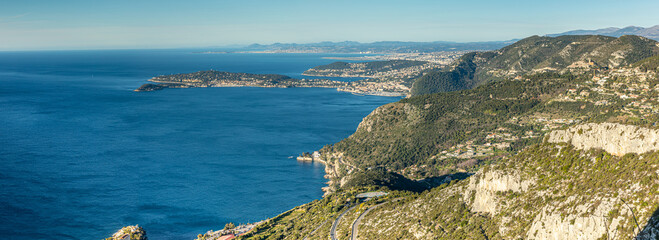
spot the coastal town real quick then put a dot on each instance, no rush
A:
(392, 77)
(442, 58)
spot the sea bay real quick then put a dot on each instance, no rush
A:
(83, 155)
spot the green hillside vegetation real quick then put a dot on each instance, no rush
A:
(432, 135)
(459, 77)
(383, 178)
(537, 54)
(480, 125)
(651, 63)
(412, 131)
(334, 65)
(563, 178)
(318, 215)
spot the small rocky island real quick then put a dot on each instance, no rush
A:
(228, 79)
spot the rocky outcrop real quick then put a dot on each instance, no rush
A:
(129, 233)
(614, 138)
(486, 185)
(337, 170)
(584, 224)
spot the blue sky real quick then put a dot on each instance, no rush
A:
(95, 24)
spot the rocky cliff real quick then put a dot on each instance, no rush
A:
(551, 190)
(486, 185)
(614, 138)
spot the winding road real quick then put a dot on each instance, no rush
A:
(336, 223)
(355, 225)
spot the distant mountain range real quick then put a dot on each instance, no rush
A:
(378, 47)
(437, 46)
(651, 32)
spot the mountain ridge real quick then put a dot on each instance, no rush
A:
(649, 32)
(569, 53)
(376, 47)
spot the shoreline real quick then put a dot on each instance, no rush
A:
(161, 85)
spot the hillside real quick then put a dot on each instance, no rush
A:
(369, 69)
(547, 191)
(435, 134)
(576, 54)
(520, 152)
(547, 156)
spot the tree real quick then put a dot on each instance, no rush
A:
(229, 226)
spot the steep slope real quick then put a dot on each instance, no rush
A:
(546, 191)
(538, 54)
(550, 155)
(436, 134)
(432, 135)
(364, 69)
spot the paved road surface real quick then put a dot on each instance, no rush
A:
(355, 225)
(336, 223)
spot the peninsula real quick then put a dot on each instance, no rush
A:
(213, 78)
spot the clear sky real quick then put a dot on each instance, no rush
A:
(107, 24)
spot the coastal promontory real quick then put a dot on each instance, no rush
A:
(214, 78)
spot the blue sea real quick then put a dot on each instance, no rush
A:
(82, 155)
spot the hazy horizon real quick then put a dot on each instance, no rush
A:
(85, 25)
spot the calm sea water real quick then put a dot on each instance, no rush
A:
(81, 155)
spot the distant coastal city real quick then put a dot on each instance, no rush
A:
(385, 75)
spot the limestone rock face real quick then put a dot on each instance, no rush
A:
(129, 233)
(585, 224)
(614, 138)
(486, 185)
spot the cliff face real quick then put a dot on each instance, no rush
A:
(338, 166)
(613, 138)
(491, 193)
(552, 190)
(486, 185)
